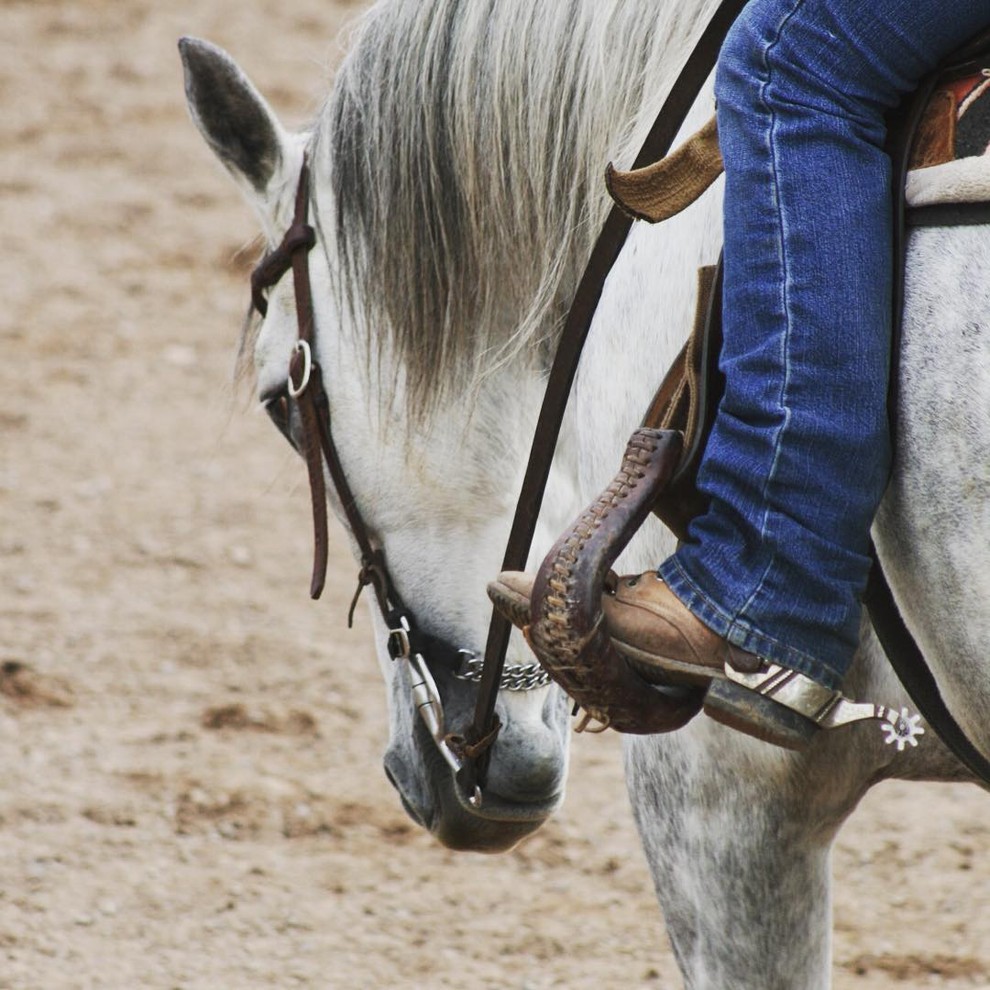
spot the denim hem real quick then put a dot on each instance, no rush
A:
(738, 632)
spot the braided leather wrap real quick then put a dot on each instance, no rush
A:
(568, 633)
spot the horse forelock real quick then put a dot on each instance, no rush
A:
(464, 144)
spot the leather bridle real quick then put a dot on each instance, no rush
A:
(406, 640)
(305, 387)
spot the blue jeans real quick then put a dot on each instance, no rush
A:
(800, 454)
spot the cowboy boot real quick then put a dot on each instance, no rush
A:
(657, 635)
(647, 624)
(664, 642)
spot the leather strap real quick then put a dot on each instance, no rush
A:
(298, 242)
(692, 408)
(948, 215)
(307, 389)
(912, 671)
(672, 114)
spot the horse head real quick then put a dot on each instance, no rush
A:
(441, 532)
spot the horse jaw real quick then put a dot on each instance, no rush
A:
(444, 537)
(528, 768)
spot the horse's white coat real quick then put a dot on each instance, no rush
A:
(737, 833)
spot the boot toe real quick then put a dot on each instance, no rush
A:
(510, 593)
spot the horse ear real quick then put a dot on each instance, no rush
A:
(232, 115)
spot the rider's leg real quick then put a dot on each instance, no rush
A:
(799, 454)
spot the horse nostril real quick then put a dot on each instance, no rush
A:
(277, 409)
(418, 811)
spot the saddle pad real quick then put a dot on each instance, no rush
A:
(951, 155)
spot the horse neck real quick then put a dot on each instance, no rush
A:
(643, 319)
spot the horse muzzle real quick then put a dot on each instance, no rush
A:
(526, 774)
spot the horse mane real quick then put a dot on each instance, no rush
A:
(465, 143)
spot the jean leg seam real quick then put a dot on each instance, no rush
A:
(785, 342)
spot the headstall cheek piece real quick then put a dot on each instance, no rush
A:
(304, 386)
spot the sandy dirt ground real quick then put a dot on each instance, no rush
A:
(191, 793)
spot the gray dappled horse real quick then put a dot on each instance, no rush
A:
(456, 193)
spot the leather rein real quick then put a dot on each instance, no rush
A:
(468, 751)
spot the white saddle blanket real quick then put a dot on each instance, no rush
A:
(966, 180)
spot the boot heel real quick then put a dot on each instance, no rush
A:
(748, 711)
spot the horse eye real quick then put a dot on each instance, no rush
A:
(277, 408)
